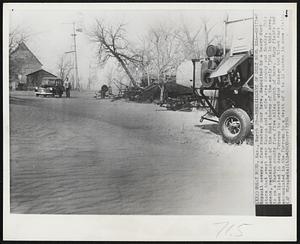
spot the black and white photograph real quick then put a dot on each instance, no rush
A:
(140, 111)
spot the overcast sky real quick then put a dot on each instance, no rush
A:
(50, 33)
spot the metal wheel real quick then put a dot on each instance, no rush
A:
(235, 125)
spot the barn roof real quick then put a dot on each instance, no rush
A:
(22, 46)
(42, 70)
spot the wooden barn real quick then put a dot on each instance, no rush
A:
(22, 62)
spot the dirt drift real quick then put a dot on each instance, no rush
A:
(88, 156)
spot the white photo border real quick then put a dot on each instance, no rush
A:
(143, 227)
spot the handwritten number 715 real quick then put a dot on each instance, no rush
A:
(227, 229)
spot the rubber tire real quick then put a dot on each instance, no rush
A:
(245, 122)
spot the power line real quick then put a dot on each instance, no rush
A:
(76, 76)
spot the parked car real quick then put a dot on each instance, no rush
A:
(50, 87)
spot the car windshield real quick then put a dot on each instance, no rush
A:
(58, 82)
(48, 83)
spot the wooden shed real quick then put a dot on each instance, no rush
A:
(38, 77)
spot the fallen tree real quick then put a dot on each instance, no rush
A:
(112, 43)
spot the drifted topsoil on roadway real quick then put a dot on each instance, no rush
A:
(88, 156)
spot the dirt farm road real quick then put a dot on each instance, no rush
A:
(88, 156)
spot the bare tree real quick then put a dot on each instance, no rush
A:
(112, 43)
(17, 35)
(207, 29)
(165, 55)
(190, 41)
(109, 76)
(144, 51)
(64, 67)
(195, 42)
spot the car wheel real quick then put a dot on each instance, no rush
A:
(235, 125)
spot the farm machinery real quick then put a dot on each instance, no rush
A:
(228, 75)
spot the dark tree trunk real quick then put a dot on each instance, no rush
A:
(127, 71)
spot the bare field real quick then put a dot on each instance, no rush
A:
(88, 156)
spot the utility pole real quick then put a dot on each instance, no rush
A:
(76, 76)
(75, 53)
